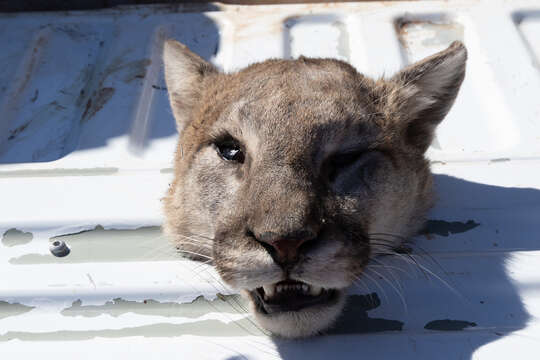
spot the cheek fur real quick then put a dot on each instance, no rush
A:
(216, 184)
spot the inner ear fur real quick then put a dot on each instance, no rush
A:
(427, 89)
(185, 73)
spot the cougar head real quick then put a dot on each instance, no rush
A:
(285, 169)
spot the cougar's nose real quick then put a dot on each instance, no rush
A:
(285, 248)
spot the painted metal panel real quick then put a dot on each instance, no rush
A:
(86, 144)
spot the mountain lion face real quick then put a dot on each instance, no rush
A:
(287, 171)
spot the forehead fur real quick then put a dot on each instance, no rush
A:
(304, 98)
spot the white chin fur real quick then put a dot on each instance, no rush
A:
(301, 324)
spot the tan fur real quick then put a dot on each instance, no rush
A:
(295, 120)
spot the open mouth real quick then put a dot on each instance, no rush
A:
(290, 295)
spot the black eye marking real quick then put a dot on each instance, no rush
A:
(366, 161)
(339, 162)
(230, 150)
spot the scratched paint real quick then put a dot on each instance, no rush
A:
(447, 228)
(232, 304)
(41, 102)
(354, 320)
(14, 237)
(332, 34)
(423, 35)
(449, 325)
(12, 309)
(58, 172)
(100, 245)
(207, 328)
(43, 125)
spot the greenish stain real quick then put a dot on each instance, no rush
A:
(448, 325)
(100, 245)
(206, 328)
(14, 237)
(8, 309)
(354, 320)
(229, 304)
(58, 172)
(446, 228)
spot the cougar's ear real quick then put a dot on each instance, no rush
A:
(184, 75)
(427, 90)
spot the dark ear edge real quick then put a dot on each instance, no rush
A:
(184, 76)
(430, 88)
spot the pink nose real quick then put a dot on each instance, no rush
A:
(285, 248)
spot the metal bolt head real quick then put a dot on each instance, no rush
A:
(59, 248)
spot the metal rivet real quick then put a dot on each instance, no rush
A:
(59, 248)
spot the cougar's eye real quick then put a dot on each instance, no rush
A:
(362, 163)
(339, 162)
(230, 150)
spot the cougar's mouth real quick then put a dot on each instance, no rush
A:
(291, 295)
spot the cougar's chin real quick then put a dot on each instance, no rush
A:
(294, 309)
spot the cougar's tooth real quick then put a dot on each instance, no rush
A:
(269, 289)
(305, 288)
(315, 290)
(279, 288)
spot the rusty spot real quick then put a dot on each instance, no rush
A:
(96, 102)
(88, 105)
(401, 30)
(57, 106)
(446, 31)
(31, 65)
(447, 228)
(13, 133)
(36, 94)
(132, 70)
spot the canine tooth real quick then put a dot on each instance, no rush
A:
(305, 288)
(269, 289)
(279, 288)
(315, 290)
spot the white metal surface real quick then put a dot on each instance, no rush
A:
(86, 143)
